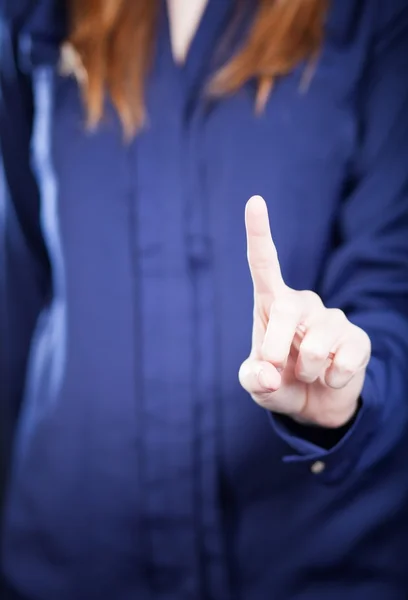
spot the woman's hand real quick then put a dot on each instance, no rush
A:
(307, 361)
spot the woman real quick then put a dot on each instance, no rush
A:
(133, 134)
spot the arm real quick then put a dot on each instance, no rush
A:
(366, 276)
(24, 270)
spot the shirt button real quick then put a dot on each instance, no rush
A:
(318, 467)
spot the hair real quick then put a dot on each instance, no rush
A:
(114, 42)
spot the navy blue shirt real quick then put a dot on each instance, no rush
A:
(140, 468)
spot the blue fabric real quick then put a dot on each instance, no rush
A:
(140, 469)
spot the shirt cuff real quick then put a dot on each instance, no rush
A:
(333, 464)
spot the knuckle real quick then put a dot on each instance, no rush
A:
(345, 367)
(364, 339)
(337, 316)
(276, 357)
(264, 262)
(307, 377)
(313, 352)
(312, 298)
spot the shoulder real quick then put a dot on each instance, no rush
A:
(389, 11)
(390, 35)
(350, 18)
(45, 16)
(37, 28)
(14, 12)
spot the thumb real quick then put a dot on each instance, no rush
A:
(259, 377)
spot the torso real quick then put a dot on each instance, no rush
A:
(146, 468)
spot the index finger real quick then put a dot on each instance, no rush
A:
(262, 255)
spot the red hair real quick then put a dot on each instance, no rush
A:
(115, 42)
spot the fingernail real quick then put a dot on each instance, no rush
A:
(263, 380)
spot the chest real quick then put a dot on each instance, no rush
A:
(189, 173)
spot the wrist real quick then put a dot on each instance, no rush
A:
(322, 437)
(330, 419)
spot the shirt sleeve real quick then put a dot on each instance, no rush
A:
(367, 274)
(24, 267)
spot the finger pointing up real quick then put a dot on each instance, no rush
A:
(262, 256)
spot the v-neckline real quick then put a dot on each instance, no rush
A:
(172, 23)
(202, 44)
